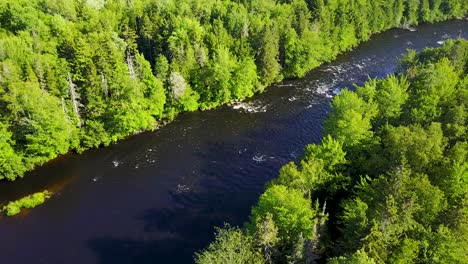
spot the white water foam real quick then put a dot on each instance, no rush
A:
(336, 91)
(182, 188)
(324, 90)
(242, 151)
(286, 85)
(259, 158)
(311, 105)
(408, 27)
(360, 67)
(250, 107)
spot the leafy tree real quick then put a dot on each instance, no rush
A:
(320, 169)
(419, 147)
(391, 97)
(375, 219)
(433, 88)
(43, 132)
(266, 236)
(112, 66)
(350, 119)
(244, 80)
(182, 92)
(360, 257)
(231, 245)
(394, 158)
(290, 211)
(451, 175)
(10, 162)
(153, 90)
(267, 60)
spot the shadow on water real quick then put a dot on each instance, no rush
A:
(159, 243)
(110, 251)
(165, 232)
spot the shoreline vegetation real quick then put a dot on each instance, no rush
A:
(388, 183)
(79, 74)
(30, 201)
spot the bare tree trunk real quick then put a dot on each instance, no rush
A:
(131, 69)
(40, 76)
(74, 99)
(105, 88)
(64, 109)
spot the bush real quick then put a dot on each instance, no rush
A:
(31, 201)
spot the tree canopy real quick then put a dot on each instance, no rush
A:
(388, 183)
(79, 74)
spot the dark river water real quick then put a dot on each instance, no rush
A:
(156, 197)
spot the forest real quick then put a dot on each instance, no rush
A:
(387, 184)
(80, 74)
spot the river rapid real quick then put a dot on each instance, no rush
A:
(157, 196)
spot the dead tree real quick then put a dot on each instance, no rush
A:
(75, 99)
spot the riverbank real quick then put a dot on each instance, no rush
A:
(172, 186)
(388, 167)
(85, 75)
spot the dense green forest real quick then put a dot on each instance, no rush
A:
(388, 183)
(76, 74)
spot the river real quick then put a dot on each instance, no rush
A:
(156, 197)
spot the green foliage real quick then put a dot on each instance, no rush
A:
(266, 236)
(320, 169)
(350, 119)
(31, 201)
(231, 246)
(393, 162)
(42, 132)
(452, 174)
(104, 70)
(188, 100)
(244, 79)
(269, 67)
(399, 204)
(10, 163)
(360, 257)
(413, 209)
(289, 210)
(433, 88)
(391, 97)
(418, 146)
